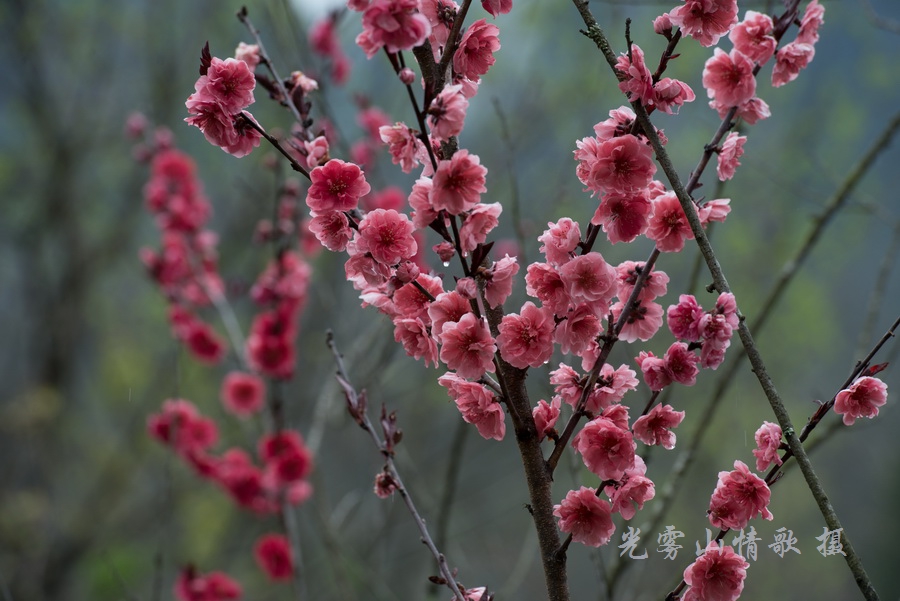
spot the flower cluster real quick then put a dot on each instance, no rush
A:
(223, 91)
(711, 330)
(186, 268)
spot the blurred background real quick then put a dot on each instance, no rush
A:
(91, 508)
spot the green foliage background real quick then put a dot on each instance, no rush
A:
(90, 508)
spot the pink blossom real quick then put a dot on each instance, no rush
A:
(407, 76)
(619, 123)
(418, 344)
(751, 111)
(228, 83)
(655, 428)
(684, 318)
(467, 288)
(717, 575)
(332, 229)
(467, 347)
(810, 23)
(475, 53)
(181, 426)
(542, 281)
(497, 7)
(526, 339)
(862, 399)
(728, 78)
(607, 449)
(249, 53)
(203, 342)
(731, 150)
(669, 94)
(242, 480)
(642, 323)
(447, 113)
(230, 133)
(286, 457)
(545, 416)
(447, 306)
(498, 281)
(618, 414)
(385, 485)
(302, 81)
(560, 240)
(336, 186)
(270, 347)
(623, 164)
(752, 37)
(420, 201)
(635, 488)
(739, 496)
(623, 216)
(705, 20)
(567, 384)
(243, 394)
(587, 517)
(480, 221)
(406, 149)
(213, 586)
(637, 84)
(682, 364)
(411, 302)
(610, 389)
(477, 405)
(273, 554)
(669, 226)
(394, 24)
(654, 369)
(663, 25)
(588, 278)
(790, 60)
(627, 273)
(441, 14)
(316, 152)
(387, 235)
(768, 446)
(458, 183)
(714, 210)
(576, 333)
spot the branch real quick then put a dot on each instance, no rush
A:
(788, 271)
(759, 367)
(362, 417)
(244, 18)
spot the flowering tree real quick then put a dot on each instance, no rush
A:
(461, 320)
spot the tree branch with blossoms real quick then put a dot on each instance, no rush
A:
(586, 306)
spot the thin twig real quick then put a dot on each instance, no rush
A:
(264, 58)
(365, 422)
(296, 166)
